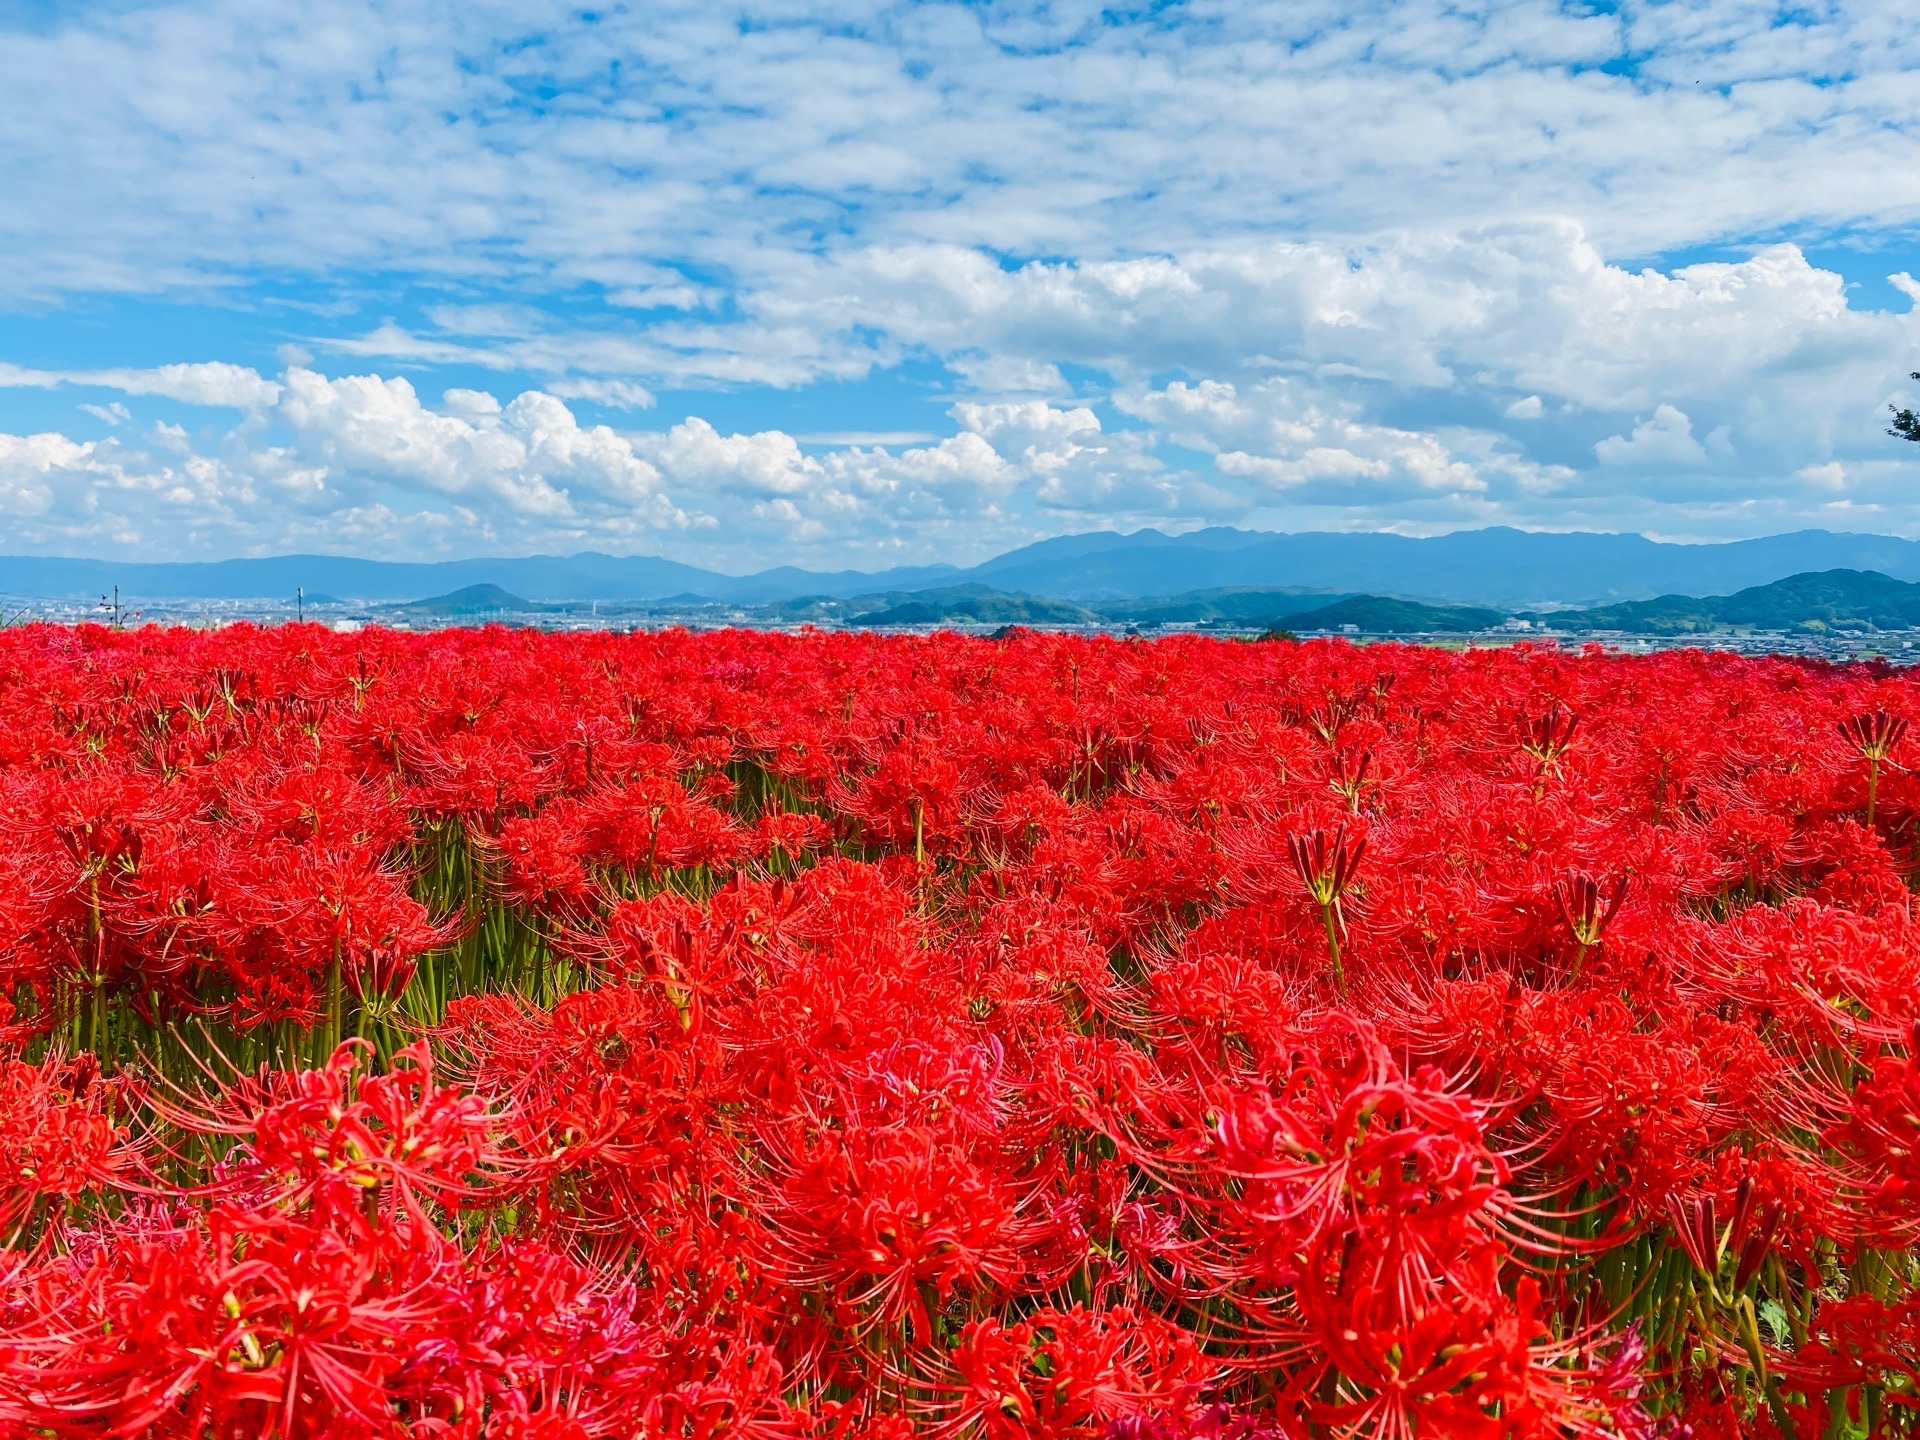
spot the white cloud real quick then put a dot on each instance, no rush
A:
(1371, 383)
(866, 437)
(1534, 307)
(29, 464)
(219, 136)
(769, 463)
(478, 406)
(345, 455)
(1396, 463)
(964, 462)
(204, 383)
(1008, 374)
(1321, 462)
(1215, 415)
(811, 193)
(171, 437)
(848, 495)
(1299, 442)
(1662, 442)
(1080, 467)
(334, 452)
(1830, 476)
(614, 394)
(531, 456)
(1033, 421)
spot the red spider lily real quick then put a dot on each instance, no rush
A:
(1588, 909)
(1548, 737)
(1060, 1372)
(61, 1136)
(834, 1035)
(1873, 734)
(1350, 777)
(1326, 866)
(1881, 1133)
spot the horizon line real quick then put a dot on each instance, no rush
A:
(1653, 539)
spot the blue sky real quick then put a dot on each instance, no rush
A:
(866, 283)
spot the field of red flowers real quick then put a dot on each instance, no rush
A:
(503, 1034)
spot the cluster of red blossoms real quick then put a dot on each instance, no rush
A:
(836, 1036)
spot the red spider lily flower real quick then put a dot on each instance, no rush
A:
(893, 1221)
(61, 1139)
(1880, 1134)
(1693, 1228)
(1752, 1244)
(1873, 734)
(1056, 1372)
(1213, 1422)
(1350, 777)
(1326, 866)
(1548, 737)
(1588, 908)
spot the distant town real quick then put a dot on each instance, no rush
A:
(1836, 615)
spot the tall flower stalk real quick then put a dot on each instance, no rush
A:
(1874, 734)
(1326, 865)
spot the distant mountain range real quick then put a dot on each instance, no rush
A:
(1809, 603)
(1216, 571)
(1830, 600)
(977, 604)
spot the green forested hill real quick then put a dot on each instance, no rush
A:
(1818, 599)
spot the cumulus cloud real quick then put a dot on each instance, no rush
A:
(29, 466)
(1300, 442)
(55, 490)
(853, 495)
(336, 452)
(1033, 421)
(1534, 307)
(354, 452)
(1663, 442)
(1367, 383)
(532, 456)
(1516, 322)
(1408, 464)
(768, 463)
(1079, 466)
(1008, 374)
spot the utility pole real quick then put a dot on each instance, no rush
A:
(116, 607)
(300, 602)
